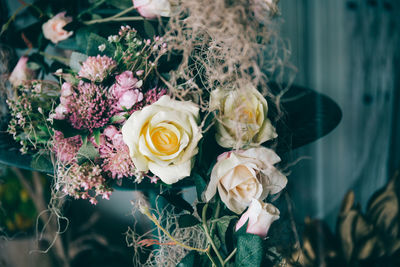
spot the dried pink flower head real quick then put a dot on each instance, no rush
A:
(90, 107)
(66, 148)
(97, 68)
(84, 181)
(53, 29)
(115, 155)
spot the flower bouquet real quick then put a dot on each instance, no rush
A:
(179, 95)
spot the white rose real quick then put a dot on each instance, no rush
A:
(163, 138)
(260, 216)
(53, 29)
(242, 119)
(153, 8)
(243, 175)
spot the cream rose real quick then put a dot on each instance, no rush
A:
(153, 8)
(243, 175)
(242, 119)
(259, 216)
(53, 29)
(163, 138)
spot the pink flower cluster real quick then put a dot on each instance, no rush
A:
(126, 90)
(97, 68)
(115, 154)
(89, 107)
(84, 182)
(66, 148)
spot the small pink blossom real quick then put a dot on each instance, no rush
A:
(60, 112)
(66, 89)
(53, 29)
(110, 131)
(129, 99)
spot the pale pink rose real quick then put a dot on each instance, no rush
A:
(129, 98)
(260, 216)
(153, 8)
(110, 131)
(239, 176)
(53, 29)
(21, 72)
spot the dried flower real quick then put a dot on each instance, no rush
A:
(90, 107)
(97, 68)
(83, 181)
(66, 148)
(115, 155)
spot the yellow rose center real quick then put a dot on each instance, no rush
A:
(164, 140)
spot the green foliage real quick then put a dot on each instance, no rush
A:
(93, 43)
(42, 161)
(174, 198)
(76, 59)
(187, 220)
(120, 4)
(250, 250)
(64, 127)
(193, 258)
(87, 152)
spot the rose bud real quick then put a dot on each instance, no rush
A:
(21, 72)
(53, 29)
(153, 8)
(259, 216)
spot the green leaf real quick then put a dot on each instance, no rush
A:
(149, 29)
(200, 185)
(223, 225)
(116, 118)
(93, 44)
(41, 162)
(250, 251)
(187, 220)
(120, 4)
(176, 199)
(96, 134)
(76, 60)
(87, 152)
(64, 127)
(194, 258)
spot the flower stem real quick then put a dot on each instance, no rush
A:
(116, 17)
(146, 212)
(230, 256)
(206, 230)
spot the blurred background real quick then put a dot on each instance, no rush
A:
(348, 50)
